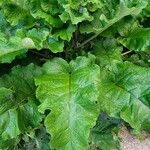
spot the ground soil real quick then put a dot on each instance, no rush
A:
(130, 142)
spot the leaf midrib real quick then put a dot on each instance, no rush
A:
(71, 104)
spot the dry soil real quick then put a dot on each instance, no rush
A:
(130, 142)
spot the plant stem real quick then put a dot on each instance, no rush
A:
(38, 53)
(126, 53)
(88, 40)
(113, 21)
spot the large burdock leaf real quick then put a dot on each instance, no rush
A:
(18, 110)
(11, 48)
(137, 39)
(70, 92)
(125, 93)
(110, 13)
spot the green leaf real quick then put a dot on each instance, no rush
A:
(146, 11)
(104, 134)
(125, 93)
(12, 15)
(107, 52)
(54, 45)
(37, 12)
(11, 48)
(18, 109)
(110, 13)
(6, 99)
(37, 139)
(24, 87)
(16, 121)
(78, 11)
(137, 39)
(65, 34)
(7, 144)
(75, 16)
(70, 91)
(29, 10)
(38, 36)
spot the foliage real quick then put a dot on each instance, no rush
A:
(71, 72)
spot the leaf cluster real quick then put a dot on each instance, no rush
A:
(72, 72)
